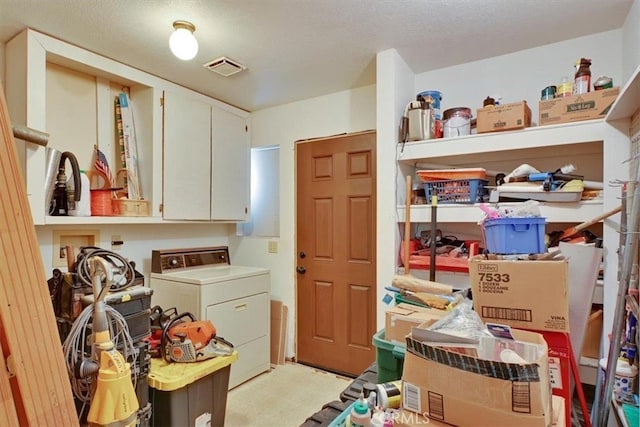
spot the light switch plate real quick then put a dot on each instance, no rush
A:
(273, 247)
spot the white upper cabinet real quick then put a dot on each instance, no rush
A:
(68, 92)
(187, 158)
(206, 161)
(231, 163)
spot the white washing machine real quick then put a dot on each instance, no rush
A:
(235, 298)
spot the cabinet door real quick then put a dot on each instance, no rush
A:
(186, 160)
(230, 166)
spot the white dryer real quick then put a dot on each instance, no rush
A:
(235, 298)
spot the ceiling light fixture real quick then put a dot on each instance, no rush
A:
(182, 42)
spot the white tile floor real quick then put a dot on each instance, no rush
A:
(285, 397)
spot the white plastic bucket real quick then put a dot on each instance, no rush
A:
(625, 376)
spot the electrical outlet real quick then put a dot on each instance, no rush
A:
(74, 238)
(273, 247)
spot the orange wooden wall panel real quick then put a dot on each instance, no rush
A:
(41, 389)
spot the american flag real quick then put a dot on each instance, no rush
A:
(102, 166)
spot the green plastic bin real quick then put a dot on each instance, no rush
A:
(389, 358)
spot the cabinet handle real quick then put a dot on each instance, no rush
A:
(240, 307)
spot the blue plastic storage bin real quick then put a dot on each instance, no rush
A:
(457, 190)
(515, 235)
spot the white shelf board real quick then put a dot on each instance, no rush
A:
(554, 212)
(80, 220)
(533, 137)
(627, 102)
(588, 369)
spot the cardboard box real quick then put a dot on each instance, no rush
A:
(593, 335)
(411, 419)
(465, 390)
(403, 418)
(278, 332)
(586, 106)
(521, 294)
(512, 116)
(400, 319)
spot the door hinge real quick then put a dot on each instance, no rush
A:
(162, 101)
(246, 128)
(161, 207)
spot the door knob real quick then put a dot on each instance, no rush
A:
(302, 255)
(301, 270)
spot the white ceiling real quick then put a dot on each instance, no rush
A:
(297, 49)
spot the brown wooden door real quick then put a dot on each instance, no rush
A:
(336, 252)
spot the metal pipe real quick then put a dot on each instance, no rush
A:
(434, 232)
(599, 392)
(31, 135)
(630, 252)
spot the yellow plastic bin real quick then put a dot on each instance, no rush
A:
(189, 394)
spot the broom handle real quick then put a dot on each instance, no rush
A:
(589, 223)
(407, 224)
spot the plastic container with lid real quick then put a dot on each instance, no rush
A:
(433, 97)
(456, 122)
(360, 413)
(625, 375)
(549, 92)
(190, 393)
(565, 88)
(603, 82)
(582, 80)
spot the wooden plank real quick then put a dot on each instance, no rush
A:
(41, 389)
(282, 350)
(7, 405)
(278, 332)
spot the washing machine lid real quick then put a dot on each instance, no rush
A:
(209, 275)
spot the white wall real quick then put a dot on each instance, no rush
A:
(394, 78)
(631, 41)
(347, 111)
(522, 75)
(141, 239)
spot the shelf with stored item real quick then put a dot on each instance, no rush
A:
(70, 94)
(546, 148)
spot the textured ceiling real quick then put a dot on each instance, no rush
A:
(297, 49)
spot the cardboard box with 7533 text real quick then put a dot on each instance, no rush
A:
(521, 294)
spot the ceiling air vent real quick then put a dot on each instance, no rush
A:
(225, 66)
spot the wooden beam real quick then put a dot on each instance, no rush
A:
(40, 385)
(7, 405)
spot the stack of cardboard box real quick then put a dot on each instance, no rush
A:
(532, 295)
(466, 384)
(446, 383)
